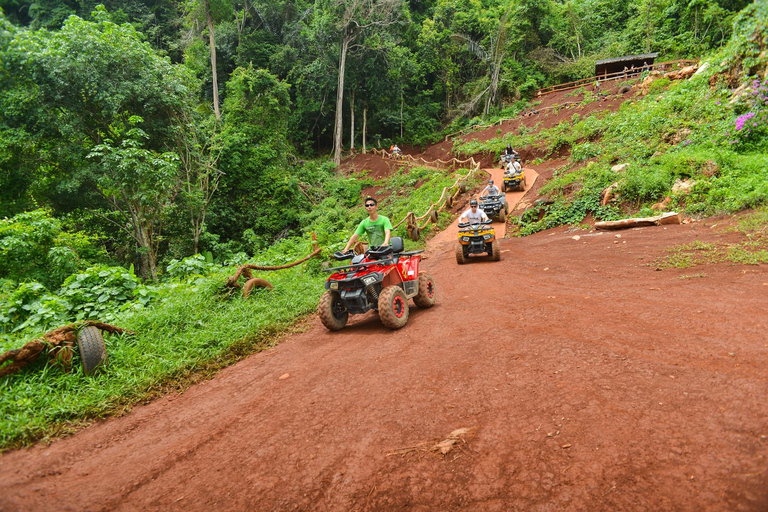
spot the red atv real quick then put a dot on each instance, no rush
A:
(383, 278)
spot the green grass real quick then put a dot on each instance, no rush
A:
(189, 327)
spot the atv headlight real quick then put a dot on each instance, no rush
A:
(334, 285)
(368, 280)
(486, 237)
(465, 239)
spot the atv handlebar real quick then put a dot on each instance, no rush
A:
(481, 223)
(339, 255)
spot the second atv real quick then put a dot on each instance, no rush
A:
(495, 207)
(383, 278)
(477, 240)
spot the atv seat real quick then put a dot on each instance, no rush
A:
(396, 243)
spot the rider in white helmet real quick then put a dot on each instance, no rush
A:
(474, 215)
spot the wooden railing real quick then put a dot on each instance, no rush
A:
(447, 196)
(664, 67)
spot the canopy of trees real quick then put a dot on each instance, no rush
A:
(168, 127)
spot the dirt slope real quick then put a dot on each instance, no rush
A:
(593, 382)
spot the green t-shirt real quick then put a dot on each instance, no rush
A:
(375, 229)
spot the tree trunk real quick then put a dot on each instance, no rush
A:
(337, 130)
(212, 42)
(402, 102)
(142, 235)
(365, 120)
(352, 121)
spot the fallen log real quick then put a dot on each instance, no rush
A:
(637, 222)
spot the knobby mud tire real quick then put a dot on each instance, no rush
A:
(495, 251)
(460, 258)
(330, 302)
(393, 307)
(253, 283)
(426, 296)
(93, 352)
(503, 214)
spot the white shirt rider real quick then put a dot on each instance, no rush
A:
(491, 190)
(474, 215)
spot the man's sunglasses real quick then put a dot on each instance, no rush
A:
(370, 205)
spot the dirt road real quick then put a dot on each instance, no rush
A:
(592, 382)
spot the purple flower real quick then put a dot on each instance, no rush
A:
(743, 119)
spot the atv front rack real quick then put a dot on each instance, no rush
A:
(391, 260)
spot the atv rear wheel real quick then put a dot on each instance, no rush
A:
(93, 352)
(426, 296)
(460, 259)
(393, 307)
(495, 250)
(332, 311)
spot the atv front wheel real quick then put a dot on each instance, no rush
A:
(93, 352)
(393, 307)
(332, 311)
(460, 259)
(503, 215)
(495, 250)
(426, 296)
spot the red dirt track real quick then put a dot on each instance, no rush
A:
(593, 382)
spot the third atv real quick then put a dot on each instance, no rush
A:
(477, 240)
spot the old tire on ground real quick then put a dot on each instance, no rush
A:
(93, 352)
(495, 251)
(253, 283)
(449, 202)
(413, 233)
(460, 259)
(426, 296)
(433, 216)
(393, 307)
(332, 311)
(462, 187)
(503, 214)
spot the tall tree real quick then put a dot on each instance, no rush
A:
(352, 20)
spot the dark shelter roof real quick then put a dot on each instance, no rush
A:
(616, 65)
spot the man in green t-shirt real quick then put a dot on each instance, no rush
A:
(377, 226)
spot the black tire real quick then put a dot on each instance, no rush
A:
(433, 216)
(426, 296)
(462, 187)
(414, 233)
(495, 250)
(460, 259)
(332, 311)
(449, 202)
(93, 352)
(503, 215)
(393, 307)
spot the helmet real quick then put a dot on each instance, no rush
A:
(490, 182)
(473, 202)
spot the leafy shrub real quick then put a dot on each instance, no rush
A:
(98, 292)
(193, 266)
